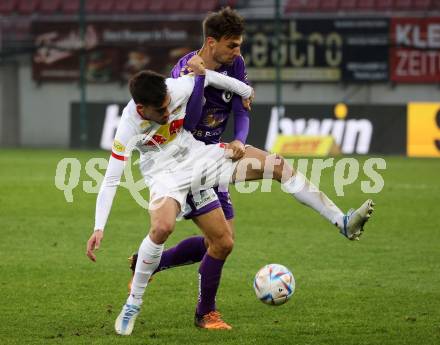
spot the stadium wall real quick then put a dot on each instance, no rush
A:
(1, 105)
(9, 105)
(324, 93)
(45, 108)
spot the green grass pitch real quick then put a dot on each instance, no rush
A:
(384, 289)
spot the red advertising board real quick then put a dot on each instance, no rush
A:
(415, 50)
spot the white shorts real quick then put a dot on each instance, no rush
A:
(184, 166)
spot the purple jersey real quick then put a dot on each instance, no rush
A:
(219, 103)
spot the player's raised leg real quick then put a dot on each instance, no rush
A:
(163, 219)
(277, 168)
(220, 239)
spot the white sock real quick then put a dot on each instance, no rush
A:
(148, 259)
(306, 193)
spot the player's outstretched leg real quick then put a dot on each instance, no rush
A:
(186, 252)
(162, 224)
(296, 184)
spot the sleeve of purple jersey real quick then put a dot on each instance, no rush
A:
(175, 72)
(241, 119)
(240, 70)
(241, 115)
(195, 104)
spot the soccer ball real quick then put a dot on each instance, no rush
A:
(274, 284)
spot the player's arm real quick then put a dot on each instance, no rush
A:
(195, 103)
(221, 81)
(241, 114)
(194, 108)
(189, 89)
(240, 73)
(241, 129)
(104, 203)
(182, 87)
(109, 186)
(215, 79)
(179, 69)
(241, 120)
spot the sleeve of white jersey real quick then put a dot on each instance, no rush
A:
(221, 81)
(113, 173)
(181, 88)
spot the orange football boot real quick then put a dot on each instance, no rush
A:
(212, 320)
(132, 259)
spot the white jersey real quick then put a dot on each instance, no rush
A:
(150, 135)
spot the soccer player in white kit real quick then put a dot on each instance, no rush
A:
(172, 165)
(169, 154)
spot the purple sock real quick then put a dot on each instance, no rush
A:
(187, 252)
(210, 272)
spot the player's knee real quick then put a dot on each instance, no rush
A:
(231, 230)
(161, 230)
(278, 172)
(225, 245)
(282, 168)
(228, 244)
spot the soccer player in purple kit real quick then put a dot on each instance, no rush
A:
(223, 36)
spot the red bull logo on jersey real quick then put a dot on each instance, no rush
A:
(166, 133)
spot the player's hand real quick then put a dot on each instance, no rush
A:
(247, 102)
(236, 149)
(93, 244)
(197, 65)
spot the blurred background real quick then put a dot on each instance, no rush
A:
(364, 73)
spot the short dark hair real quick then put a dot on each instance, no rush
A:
(148, 88)
(224, 23)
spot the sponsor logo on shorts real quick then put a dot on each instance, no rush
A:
(204, 198)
